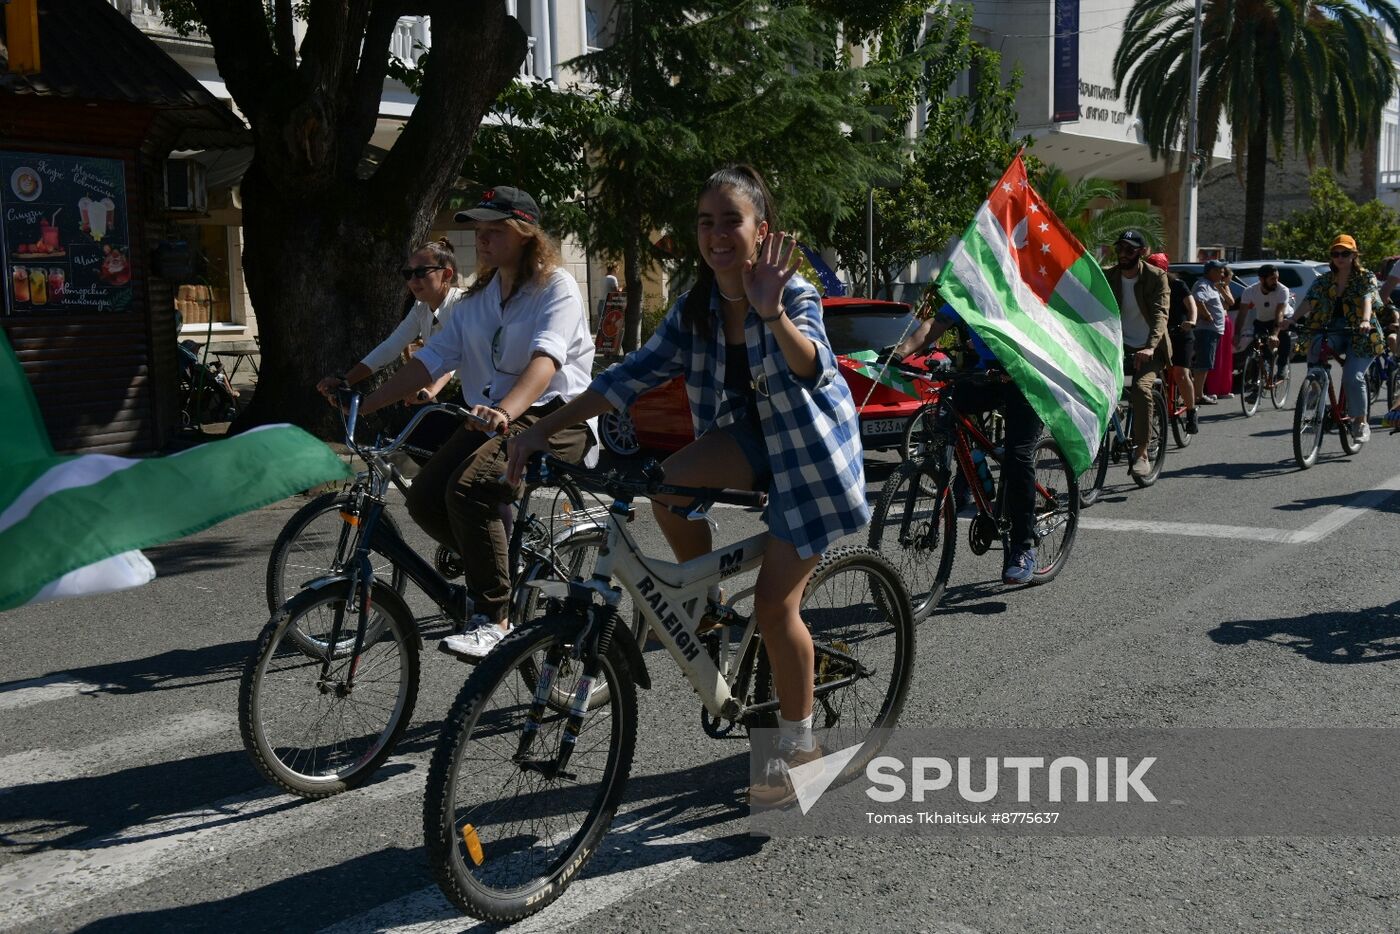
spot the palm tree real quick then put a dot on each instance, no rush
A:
(1315, 73)
(1074, 203)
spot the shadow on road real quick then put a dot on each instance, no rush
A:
(186, 557)
(1334, 638)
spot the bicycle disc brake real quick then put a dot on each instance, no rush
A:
(982, 533)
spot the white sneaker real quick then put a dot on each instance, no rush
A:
(1361, 432)
(477, 642)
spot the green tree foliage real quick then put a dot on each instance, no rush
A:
(1094, 210)
(1307, 234)
(1313, 73)
(966, 144)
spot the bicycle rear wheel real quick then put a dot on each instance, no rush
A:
(1307, 422)
(1251, 384)
(315, 736)
(317, 542)
(857, 610)
(917, 432)
(1157, 446)
(1092, 480)
(1057, 503)
(505, 831)
(1392, 384)
(915, 526)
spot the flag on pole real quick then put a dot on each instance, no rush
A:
(1039, 300)
(74, 525)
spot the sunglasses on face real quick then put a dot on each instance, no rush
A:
(1341, 254)
(418, 272)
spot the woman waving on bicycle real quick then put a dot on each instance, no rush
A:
(770, 413)
(1339, 309)
(528, 313)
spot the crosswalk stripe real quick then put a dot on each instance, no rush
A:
(47, 883)
(19, 694)
(622, 867)
(36, 766)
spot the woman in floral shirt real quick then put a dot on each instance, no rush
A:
(1340, 308)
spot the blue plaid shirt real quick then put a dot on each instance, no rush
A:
(809, 426)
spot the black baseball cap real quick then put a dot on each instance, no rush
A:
(1132, 237)
(1214, 264)
(499, 204)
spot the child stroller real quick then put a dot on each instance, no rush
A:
(205, 393)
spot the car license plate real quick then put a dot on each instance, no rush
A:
(876, 427)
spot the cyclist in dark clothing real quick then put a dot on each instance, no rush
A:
(1023, 428)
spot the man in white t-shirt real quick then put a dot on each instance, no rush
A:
(1272, 306)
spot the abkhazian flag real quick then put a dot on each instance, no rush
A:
(1029, 289)
(73, 525)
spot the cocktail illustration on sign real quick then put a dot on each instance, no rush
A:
(98, 217)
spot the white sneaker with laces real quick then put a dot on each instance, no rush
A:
(482, 635)
(1362, 432)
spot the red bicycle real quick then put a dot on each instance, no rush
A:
(1176, 408)
(1319, 409)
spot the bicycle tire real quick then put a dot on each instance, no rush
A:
(1307, 422)
(1392, 385)
(1157, 447)
(1251, 384)
(343, 764)
(1278, 393)
(1058, 518)
(506, 891)
(294, 538)
(1350, 446)
(854, 605)
(917, 432)
(1375, 382)
(915, 526)
(1097, 474)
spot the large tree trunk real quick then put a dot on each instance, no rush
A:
(1255, 175)
(632, 282)
(322, 243)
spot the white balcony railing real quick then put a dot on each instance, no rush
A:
(144, 15)
(1390, 179)
(527, 67)
(412, 37)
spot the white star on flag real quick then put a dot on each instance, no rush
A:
(1006, 188)
(1043, 271)
(1035, 209)
(1044, 227)
(1045, 248)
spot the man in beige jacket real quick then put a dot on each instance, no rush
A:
(1143, 301)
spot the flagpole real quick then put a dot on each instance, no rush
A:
(1192, 141)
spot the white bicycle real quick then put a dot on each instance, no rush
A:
(534, 756)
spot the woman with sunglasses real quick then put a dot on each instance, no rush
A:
(1339, 308)
(431, 274)
(524, 312)
(770, 413)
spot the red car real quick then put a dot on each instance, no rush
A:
(660, 419)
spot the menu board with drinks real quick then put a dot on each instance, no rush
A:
(63, 232)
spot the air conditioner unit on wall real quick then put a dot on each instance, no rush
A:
(184, 186)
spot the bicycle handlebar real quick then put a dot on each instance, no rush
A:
(542, 465)
(349, 401)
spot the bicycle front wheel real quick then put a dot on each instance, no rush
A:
(1057, 502)
(915, 526)
(1278, 393)
(918, 432)
(857, 610)
(317, 735)
(317, 542)
(506, 828)
(1092, 481)
(1251, 384)
(1308, 422)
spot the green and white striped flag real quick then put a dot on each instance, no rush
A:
(73, 525)
(1029, 289)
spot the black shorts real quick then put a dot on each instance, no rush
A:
(1265, 328)
(1183, 347)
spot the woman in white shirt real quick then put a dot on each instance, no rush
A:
(541, 356)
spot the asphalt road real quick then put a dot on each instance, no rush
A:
(1238, 591)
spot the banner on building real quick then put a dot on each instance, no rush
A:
(1066, 103)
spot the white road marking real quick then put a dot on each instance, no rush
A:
(621, 868)
(55, 881)
(1192, 529)
(18, 694)
(1353, 510)
(36, 766)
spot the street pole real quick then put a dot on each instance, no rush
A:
(870, 242)
(1192, 141)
